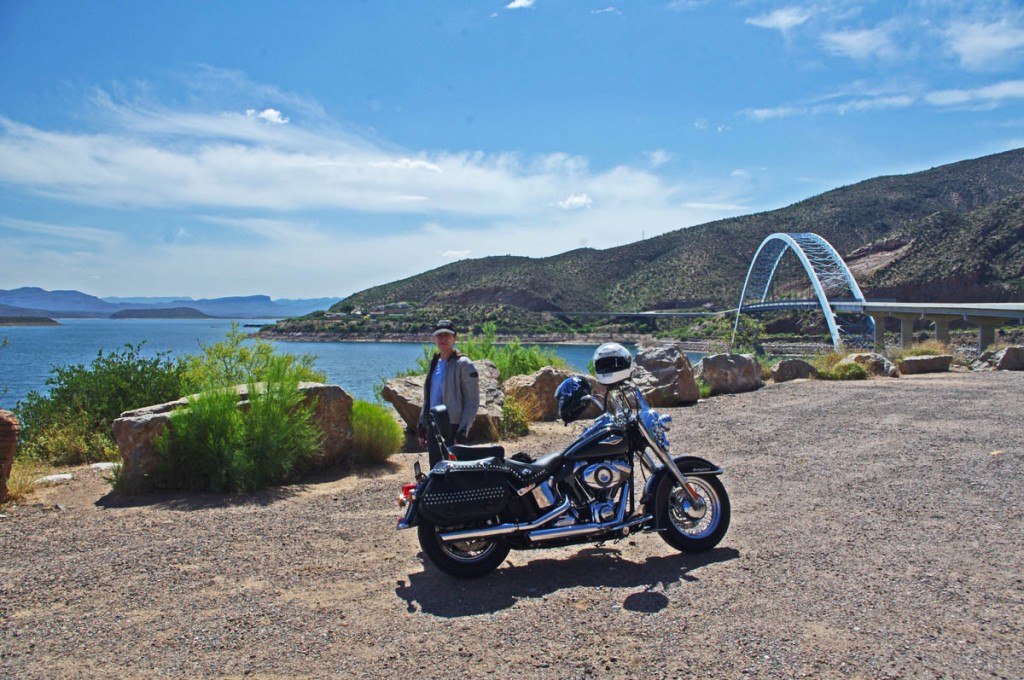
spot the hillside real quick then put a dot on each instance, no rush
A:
(952, 215)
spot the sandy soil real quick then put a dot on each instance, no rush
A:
(877, 532)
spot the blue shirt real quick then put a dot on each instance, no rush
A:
(437, 382)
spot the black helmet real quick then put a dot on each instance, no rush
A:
(572, 398)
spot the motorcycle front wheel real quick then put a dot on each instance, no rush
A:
(690, 527)
(461, 558)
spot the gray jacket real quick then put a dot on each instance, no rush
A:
(460, 392)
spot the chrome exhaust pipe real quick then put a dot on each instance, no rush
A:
(502, 529)
(584, 529)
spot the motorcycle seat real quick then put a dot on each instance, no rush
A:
(538, 470)
(467, 452)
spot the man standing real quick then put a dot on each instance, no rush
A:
(453, 381)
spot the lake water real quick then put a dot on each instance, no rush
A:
(357, 366)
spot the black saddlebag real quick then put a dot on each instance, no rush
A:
(458, 492)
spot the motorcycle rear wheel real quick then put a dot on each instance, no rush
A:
(689, 529)
(465, 559)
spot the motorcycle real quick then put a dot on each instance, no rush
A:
(472, 508)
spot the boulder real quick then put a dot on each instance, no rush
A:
(666, 376)
(938, 363)
(873, 363)
(406, 395)
(792, 369)
(1009, 359)
(136, 431)
(535, 393)
(9, 430)
(730, 373)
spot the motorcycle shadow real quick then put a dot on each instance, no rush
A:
(433, 592)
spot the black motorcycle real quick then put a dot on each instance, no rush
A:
(615, 479)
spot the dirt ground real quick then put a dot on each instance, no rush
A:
(877, 532)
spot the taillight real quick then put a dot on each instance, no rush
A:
(408, 492)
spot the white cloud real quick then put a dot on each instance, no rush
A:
(268, 115)
(520, 4)
(782, 19)
(834, 107)
(985, 97)
(575, 202)
(231, 203)
(658, 157)
(980, 45)
(862, 44)
(456, 254)
(606, 10)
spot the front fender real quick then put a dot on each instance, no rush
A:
(688, 465)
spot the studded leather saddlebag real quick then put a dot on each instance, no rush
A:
(459, 492)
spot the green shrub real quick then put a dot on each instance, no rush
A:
(233, 361)
(920, 349)
(845, 372)
(202, 443)
(703, 388)
(376, 435)
(218, 445)
(511, 358)
(71, 424)
(514, 419)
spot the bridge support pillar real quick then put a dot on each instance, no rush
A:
(879, 320)
(987, 326)
(907, 328)
(942, 322)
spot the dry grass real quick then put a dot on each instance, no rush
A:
(24, 472)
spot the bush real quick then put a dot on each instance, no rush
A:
(920, 349)
(71, 424)
(232, 362)
(845, 372)
(375, 433)
(514, 419)
(511, 358)
(218, 445)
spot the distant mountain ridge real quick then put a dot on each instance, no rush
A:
(955, 233)
(31, 301)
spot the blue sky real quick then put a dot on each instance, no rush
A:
(306, 149)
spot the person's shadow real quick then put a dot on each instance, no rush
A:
(434, 592)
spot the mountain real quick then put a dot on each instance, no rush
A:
(72, 303)
(951, 233)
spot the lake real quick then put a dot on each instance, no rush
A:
(357, 366)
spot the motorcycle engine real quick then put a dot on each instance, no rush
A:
(605, 477)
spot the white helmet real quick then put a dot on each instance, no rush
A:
(613, 363)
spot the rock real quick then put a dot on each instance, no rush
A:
(136, 436)
(535, 393)
(55, 479)
(488, 421)
(9, 430)
(938, 363)
(792, 369)
(136, 431)
(874, 364)
(730, 373)
(406, 395)
(667, 377)
(1009, 359)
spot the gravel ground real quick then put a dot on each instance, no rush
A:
(877, 532)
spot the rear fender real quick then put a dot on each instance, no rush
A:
(411, 516)
(690, 466)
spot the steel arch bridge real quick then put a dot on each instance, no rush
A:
(830, 278)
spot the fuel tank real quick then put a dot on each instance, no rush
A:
(603, 439)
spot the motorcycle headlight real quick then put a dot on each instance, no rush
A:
(666, 422)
